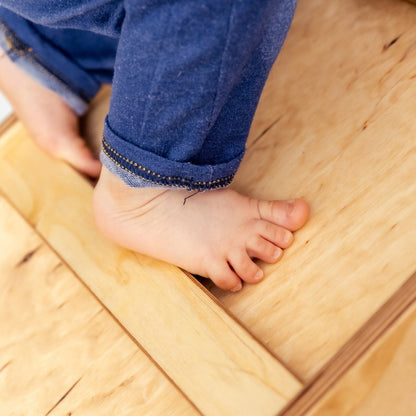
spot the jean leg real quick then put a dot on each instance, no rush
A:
(187, 80)
(188, 76)
(73, 63)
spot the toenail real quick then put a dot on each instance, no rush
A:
(237, 287)
(290, 204)
(287, 238)
(259, 275)
(277, 253)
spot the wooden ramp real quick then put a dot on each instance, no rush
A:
(88, 328)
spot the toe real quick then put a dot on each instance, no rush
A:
(225, 278)
(245, 267)
(86, 163)
(264, 250)
(291, 214)
(80, 157)
(274, 233)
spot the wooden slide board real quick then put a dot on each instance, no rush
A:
(61, 352)
(342, 97)
(217, 364)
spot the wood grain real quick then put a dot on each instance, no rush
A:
(61, 353)
(343, 96)
(367, 360)
(214, 361)
(383, 382)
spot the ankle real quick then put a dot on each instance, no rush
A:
(110, 185)
(117, 190)
(105, 197)
(111, 194)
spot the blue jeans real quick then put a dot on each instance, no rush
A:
(186, 76)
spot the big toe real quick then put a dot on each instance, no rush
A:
(291, 214)
(81, 158)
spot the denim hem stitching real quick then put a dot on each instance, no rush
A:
(155, 178)
(16, 45)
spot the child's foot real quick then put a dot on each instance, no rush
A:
(50, 121)
(214, 234)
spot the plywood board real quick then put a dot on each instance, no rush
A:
(383, 381)
(343, 99)
(348, 381)
(61, 352)
(215, 362)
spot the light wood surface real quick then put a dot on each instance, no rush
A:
(383, 381)
(61, 353)
(323, 389)
(336, 125)
(204, 350)
(343, 95)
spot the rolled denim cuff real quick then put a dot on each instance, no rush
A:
(45, 63)
(140, 168)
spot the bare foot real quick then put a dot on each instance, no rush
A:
(50, 121)
(214, 234)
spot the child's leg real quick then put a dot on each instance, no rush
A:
(50, 121)
(188, 76)
(187, 80)
(49, 76)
